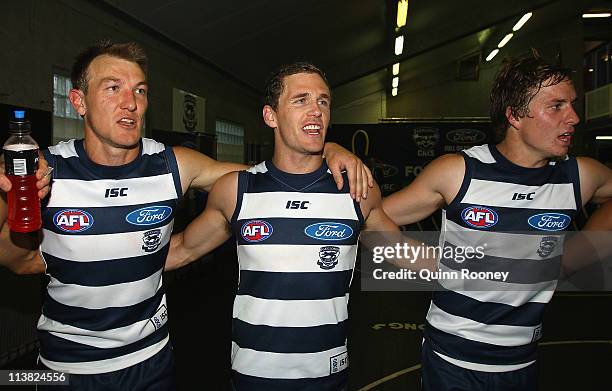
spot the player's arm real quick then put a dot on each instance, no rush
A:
(595, 180)
(210, 229)
(434, 187)
(359, 175)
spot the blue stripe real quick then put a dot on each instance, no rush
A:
(62, 350)
(528, 314)
(110, 220)
(291, 231)
(512, 220)
(102, 319)
(521, 271)
(294, 286)
(289, 339)
(103, 273)
(478, 352)
(333, 382)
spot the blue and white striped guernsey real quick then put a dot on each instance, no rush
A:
(106, 233)
(297, 242)
(494, 325)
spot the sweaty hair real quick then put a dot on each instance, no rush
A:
(129, 51)
(517, 82)
(275, 83)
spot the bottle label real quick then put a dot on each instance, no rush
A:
(24, 162)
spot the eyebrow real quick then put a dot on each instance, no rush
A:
(115, 80)
(305, 94)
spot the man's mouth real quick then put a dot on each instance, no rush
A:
(566, 137)
(312, 129)
(127, 122)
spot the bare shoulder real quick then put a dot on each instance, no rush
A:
(223, 195)
(595, 180)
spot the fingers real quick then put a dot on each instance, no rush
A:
(44, 182)
(5, 184)
(337, 177)
(359, 186)
(367, 180)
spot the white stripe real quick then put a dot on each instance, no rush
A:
(283, 365)
(484, 367)
(258, 168)
(74, 193)
(290, 313)
(501, 244)
(92, 248)
(482, 153)
(501, 335)
(151, 147)
(273, 204)
(108, 365)
(291, 258)
(64, 149)
(500, 292)
(98, 297)
(493, 193)
(103, 339)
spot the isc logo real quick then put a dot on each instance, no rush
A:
(73, 220)
(297, 205)
(256, 230)
(479, 216)
(523, 196)
(116, 192)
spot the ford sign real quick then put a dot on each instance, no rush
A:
(329, 231)
(149, 215)
(466, 136)
(549, 221)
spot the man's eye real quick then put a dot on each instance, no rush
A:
(141, 91)
(113, 88)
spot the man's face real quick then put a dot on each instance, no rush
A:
(303, 111)
(549, 125)
(115, 102)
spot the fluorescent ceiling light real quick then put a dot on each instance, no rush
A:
(492, 54)
(603, 137)
(396, 69)
(505, 40)
(522, 21)
(597, 15)
(394, 91)
(399, 45)
(395, 82)
(402, 12)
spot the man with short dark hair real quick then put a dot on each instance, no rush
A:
(106, 230)
(297, 242)
(483, 335)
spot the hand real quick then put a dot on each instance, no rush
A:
(359, 175)
(43, 177)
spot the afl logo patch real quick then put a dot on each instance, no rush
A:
(549, 221)
(479, 216)
(256, 230)
(73, 220)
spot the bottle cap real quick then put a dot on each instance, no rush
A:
(19, 124)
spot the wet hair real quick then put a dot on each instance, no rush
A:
(517, 82)
(129, 51)
(275, 83)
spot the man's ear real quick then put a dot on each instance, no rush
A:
(269, 116)
(77, 99)
(512, 120)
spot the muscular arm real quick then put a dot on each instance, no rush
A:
(210, 229)
(434, 187)
(595, 180)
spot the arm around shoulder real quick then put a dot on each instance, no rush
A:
(434, 187)
(199, 171)
(210, 229)
(595, 180)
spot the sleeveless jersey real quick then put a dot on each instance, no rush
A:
(106, 233)
(489, 324)
(297, 243)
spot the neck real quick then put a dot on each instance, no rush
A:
(520, 154)
(108, 155)
(297, 163)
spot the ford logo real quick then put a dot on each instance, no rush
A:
(149, 215)
(329, 231)
(466, 136)
(549, 221)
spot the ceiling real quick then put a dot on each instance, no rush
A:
(246, 40)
